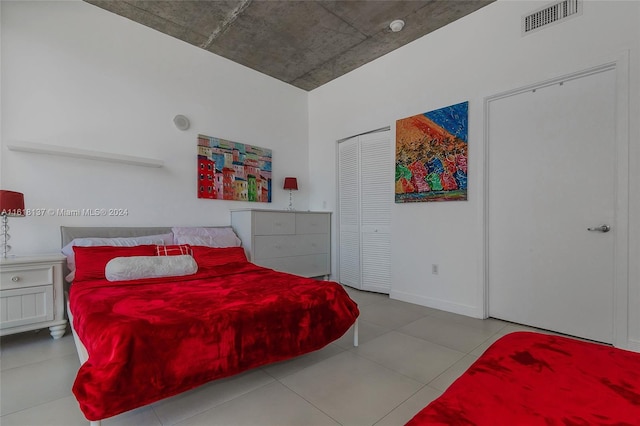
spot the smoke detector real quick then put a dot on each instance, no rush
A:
(396, 25)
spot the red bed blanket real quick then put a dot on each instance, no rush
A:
(537, 379)
(154, 338)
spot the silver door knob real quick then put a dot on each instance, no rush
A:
(602, 228)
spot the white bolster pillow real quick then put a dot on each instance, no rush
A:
(137, 267)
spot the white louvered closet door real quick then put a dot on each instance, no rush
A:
(366, 197)
(349, 218)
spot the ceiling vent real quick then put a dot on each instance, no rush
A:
(551, 14)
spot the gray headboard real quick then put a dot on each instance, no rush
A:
(68, 233)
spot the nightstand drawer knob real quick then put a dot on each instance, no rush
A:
(15, 278)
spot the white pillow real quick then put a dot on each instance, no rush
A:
(210, 237)
(137, 267)
(160, 239)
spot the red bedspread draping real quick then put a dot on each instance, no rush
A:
(154, 338)
(528, 379)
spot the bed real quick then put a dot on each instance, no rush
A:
(528, 378)
(141, 339)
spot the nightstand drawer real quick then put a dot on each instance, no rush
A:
(26, 306)
(19, 277)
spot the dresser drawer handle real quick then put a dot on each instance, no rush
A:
(15, 278)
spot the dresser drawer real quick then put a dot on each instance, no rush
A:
(271, 246)
(267, 223)
(312, 223)
(307, 266)
(19, 277)
(28, 305)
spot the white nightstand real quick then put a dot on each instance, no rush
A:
(31, 294)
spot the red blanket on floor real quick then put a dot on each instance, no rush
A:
(154, 338)
(538, 379)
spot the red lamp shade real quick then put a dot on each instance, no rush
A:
(290, 183)
(11, 203)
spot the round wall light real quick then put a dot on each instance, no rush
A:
(181, 122)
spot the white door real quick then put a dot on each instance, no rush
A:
(349, 213)
(552, 159)
(376, 192)
(365, 190)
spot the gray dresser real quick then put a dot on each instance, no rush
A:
(287, 241)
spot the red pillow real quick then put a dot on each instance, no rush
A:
(91, 261)
(174, 250)
(207, 257)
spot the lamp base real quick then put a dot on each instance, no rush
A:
(4, 236)
(290, 208)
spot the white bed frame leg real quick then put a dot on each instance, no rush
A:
(355, 334)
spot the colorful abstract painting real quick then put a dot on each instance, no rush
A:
(431, 155)
(233, 171)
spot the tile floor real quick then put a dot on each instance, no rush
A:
(408, 355)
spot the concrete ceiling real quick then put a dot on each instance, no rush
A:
(304, 43)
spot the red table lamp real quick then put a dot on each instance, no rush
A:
(11, 204)
(291, 184)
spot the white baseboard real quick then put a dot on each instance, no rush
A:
(443, 305)
(470, 311)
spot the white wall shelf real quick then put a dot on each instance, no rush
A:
(39, 148)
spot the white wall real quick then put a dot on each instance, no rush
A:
(478, 56)
(75, 75)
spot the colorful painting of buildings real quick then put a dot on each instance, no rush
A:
(431, 155)
(233, 171)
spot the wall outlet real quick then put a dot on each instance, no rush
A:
(434, 269)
